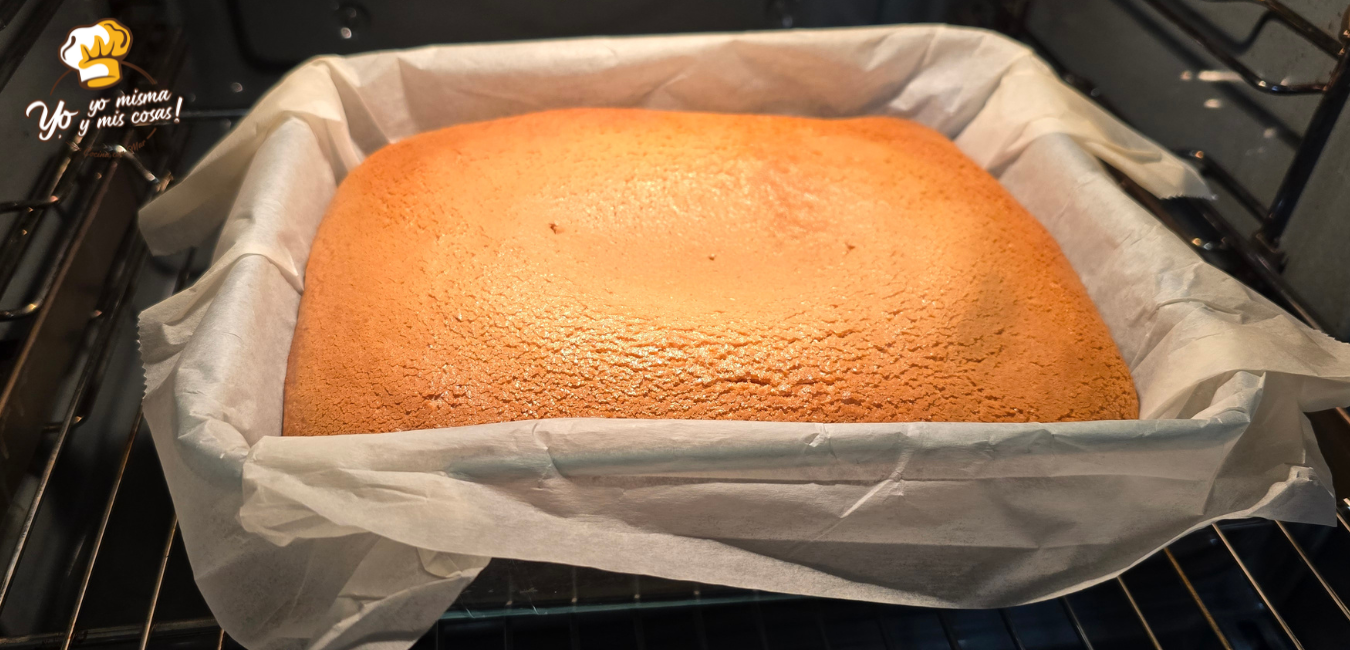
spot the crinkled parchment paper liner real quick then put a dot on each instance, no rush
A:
(363, 540)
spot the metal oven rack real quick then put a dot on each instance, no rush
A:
(88, 539)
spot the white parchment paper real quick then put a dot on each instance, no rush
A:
(363, 540)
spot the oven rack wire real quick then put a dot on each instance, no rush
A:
(507, 603)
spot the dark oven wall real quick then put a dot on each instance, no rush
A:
(1157, 78)
(240, 47)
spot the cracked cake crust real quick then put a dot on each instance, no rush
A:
(644, 264)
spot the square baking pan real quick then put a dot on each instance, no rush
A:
(331, 540)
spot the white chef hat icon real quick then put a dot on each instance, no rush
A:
(96, 52)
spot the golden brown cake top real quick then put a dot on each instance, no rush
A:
(643, 264)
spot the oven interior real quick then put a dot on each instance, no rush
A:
(1249, 90)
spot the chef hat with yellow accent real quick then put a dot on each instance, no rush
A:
(96, 51)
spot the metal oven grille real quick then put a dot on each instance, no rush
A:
(89, 543)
